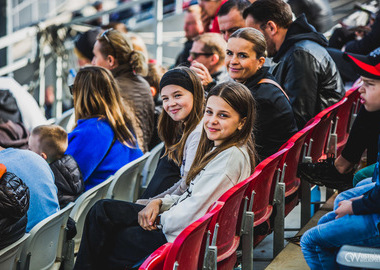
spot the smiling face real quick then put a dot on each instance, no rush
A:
(241, 60)
(370, 94)
(220, 120)
(177, 102)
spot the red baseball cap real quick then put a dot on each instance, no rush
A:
(366, 65)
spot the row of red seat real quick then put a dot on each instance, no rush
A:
(246, 212)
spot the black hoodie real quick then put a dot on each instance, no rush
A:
(306, 71)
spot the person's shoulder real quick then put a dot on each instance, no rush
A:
(233, 156)
(93, 126)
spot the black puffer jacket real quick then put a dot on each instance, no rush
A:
(275, 122)
(68, 179)
(14, 204)
(307, 72)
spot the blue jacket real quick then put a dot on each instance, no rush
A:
(89, 143)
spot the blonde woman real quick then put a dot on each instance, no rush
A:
(114, 51)
(103, 139)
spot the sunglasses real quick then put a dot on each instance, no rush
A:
(195, 55)
(71, 86)
(104, 35)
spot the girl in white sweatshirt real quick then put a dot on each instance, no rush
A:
(119, 234)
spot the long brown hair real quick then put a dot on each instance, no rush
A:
(240, 99)
(96, 94)
(170, 130)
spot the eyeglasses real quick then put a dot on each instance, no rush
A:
(104, 34)
(195, 55)
(71, 86)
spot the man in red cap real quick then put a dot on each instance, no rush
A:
(356, 216)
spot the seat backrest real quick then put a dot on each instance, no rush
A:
(320, 133)
(40, 249)
(83, 204)
(8, 254)
(185, 250)
(151, 164)
(262, 182)
(67, 120)
(127, 180)
(227, 219)
(156, 260)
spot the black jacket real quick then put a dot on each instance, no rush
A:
(14, 204)
(318, 12)
(369, 42)
(307, 72)
(68, 179)
(275, 122)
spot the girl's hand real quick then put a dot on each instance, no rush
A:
(147, 216)
(345, 208)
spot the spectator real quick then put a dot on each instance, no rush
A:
(14, 204)
(193, 27)
(356, 214)
(154, 76)
(317, 12)
(275, 124)
(50, 142)
(230, 17)
(115, 52)
(179, 127)
(36, 174)
(207, 59)
(208, 15)
(304, 68)
(103, 139)
(84, 44)
(225, 158)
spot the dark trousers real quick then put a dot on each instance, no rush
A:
(113, 239)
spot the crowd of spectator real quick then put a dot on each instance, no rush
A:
(250, 75)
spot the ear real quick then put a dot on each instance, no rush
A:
(242, 123)
(153, 90)
(44, 156)
(261, 61)
(214, 59)
(111, 61)
(272, 27)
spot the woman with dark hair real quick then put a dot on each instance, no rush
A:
(246, 51)
(102, 140)
(119, 234)
(114, 51)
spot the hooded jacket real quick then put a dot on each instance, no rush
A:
(307, 72)
(14, 204)
(68, 179)
(275, 122)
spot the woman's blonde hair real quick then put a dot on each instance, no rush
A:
(240, 99)
(117, 44)
(170, 131)
(96, 94)
(255, 37)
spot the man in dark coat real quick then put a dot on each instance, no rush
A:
(304, 68)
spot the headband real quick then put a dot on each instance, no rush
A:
(177, 77)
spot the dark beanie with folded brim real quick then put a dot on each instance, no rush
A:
(365, 65)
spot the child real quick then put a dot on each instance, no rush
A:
(356, 216)
(50, 142)
(119, 234)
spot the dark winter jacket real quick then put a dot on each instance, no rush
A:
(307, 72)
(184, 54)
(318, 12)
(369, 42)
(8, 107)
(13, 135)
(14, 204)
(275, 122)
(135, 91)
(68, 179)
